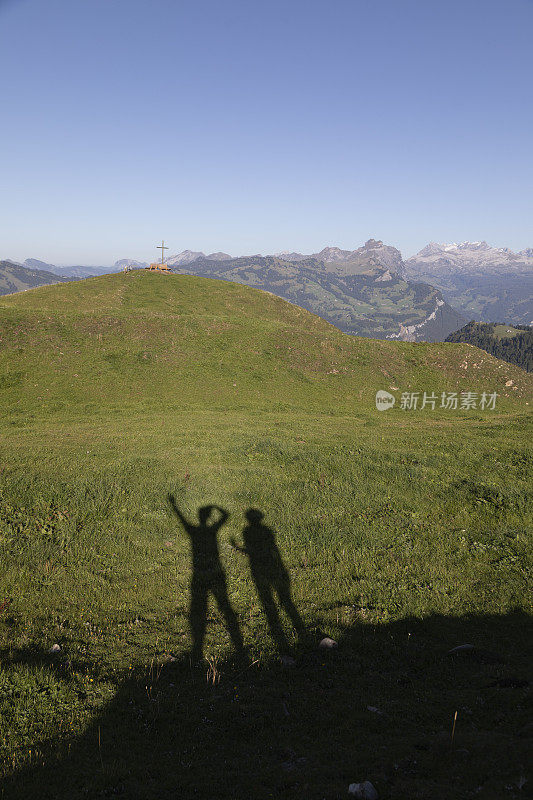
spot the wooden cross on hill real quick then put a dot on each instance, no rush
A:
(162, 248)
(161, 266)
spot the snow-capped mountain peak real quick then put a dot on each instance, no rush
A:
(480, 257)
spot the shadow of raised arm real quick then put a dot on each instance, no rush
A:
(172, 500)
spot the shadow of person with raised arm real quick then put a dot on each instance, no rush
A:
(270, 576)
(208, 576)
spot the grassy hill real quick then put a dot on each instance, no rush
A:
(404, 534)
(363, 297)
(186, 342)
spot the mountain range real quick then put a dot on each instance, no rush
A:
(186, 257)
(362, 292)
(76, 271)
(369, 291)
(468, 258)
(489, 284)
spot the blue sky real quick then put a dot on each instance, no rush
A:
(262, 126)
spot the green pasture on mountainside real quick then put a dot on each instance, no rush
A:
(405, 533)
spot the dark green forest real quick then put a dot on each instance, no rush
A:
(510, 343)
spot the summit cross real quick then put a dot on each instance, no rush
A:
(162, 247)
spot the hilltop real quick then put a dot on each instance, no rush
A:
(189, 342)
(360, 295)
(363, 292)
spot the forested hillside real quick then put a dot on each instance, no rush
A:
(512, 343)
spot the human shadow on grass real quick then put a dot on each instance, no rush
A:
(380, 707)
(270, 576)
(208, 575)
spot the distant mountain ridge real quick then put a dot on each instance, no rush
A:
(76, 271)
(467, 258)
(487, 283)
(17, 278)
(347, 262)
(338, 260)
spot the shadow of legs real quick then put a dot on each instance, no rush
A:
(221, 595)
(264, 590)
(287, 603)
(198, 616)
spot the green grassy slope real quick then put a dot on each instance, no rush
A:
(362, 297)
(405, 533)
(123, 340)
(505, 331)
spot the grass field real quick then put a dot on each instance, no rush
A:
(404, 533)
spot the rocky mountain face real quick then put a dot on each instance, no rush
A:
(489, 284)
(352, 262)
(17, 278)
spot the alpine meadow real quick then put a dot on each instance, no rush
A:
(129, 401)
(266, 393)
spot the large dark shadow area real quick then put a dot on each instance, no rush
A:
(379, 707)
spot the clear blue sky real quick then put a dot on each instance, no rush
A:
(262, 125)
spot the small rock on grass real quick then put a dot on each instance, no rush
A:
(363, 791)
(55, 648)
(327, 644)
